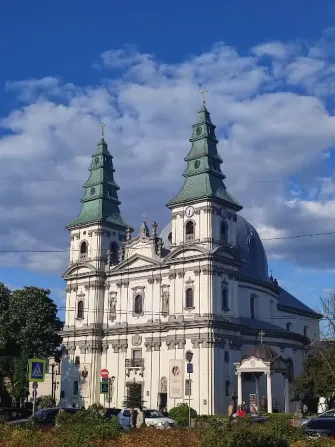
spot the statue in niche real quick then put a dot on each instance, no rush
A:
(164, 385)
(112, 308)
(165, 303)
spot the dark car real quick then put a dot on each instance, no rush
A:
(112, 412)
(320, 427)
(44, 418)
(13, 414)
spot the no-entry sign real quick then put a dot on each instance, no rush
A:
(104, 373)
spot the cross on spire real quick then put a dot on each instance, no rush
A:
(103, 125)
(261, 334)
(203, 92)
(144, 215)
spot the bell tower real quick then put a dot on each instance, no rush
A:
(203, 212)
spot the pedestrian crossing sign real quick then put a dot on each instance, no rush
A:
(37, 369)
(104, 387)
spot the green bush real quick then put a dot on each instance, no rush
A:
(84, 427)
(180, 414)
(45, 402)
(276, 432)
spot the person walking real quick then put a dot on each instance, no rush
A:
(133, 418)
(140, 420)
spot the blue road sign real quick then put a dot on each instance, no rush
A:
(37, 369)
(190, 368)
(104, 379)
(104, 387)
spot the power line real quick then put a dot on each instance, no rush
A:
(328, 233)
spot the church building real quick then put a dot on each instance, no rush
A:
(145, 305)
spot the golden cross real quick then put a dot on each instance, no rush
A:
(203, 92)
(103, 125)
(144, 215)
(261, 334)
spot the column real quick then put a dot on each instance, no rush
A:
(269, 391)
(286, 394)
(239, 388)
(257, 377)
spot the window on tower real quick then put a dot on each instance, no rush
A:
(223, 232)
(170, 238)
(189, 298)
(138, 305)
(288, 327)
(83, 250)
(80, 310)
(114, 252)
(224, 297)
(252, 306)
(189, 231)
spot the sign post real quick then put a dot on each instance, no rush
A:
(35, 386)
(104, 373)
(37, 369)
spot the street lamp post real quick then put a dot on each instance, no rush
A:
(189, 357)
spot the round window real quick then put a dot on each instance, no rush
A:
(92, 191)
(196, 164)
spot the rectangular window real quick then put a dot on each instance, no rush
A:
(136, 356)
(75, 388)
(188, 387)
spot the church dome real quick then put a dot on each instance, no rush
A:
(262, 352)
(249, 246)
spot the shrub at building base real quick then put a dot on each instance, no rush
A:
(45, 402)
(180, 414)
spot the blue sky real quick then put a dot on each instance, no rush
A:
(270, 73)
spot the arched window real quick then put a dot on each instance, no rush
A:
(189, 298)
(224, 298)
(83, 250)
(190, 231)
(288, 327)
(170, 238)
(305, 331)
(138, 305)
(252, 306)
(226, 357)
(80, 310)
(227, 384)
(114, 253)
(223, 232)
(290, 369)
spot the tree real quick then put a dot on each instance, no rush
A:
(328, 313)
(134, 396)
(318, 377)
(29, 328)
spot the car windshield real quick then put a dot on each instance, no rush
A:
(150, 414)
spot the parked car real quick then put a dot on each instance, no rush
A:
(44, 418)
(152, 417)
(13, 414)
(326, 414)
(320, 426)
(112, 412)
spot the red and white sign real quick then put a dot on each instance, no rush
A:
(104, 373)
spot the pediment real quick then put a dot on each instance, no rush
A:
(134, 262)
(79, 269)
(227, 252)
(187, 252)
(253, 364)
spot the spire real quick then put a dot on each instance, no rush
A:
(100, 201)
(203, 176)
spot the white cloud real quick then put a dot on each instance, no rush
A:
(272, 129)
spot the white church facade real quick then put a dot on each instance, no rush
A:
(137, 303)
